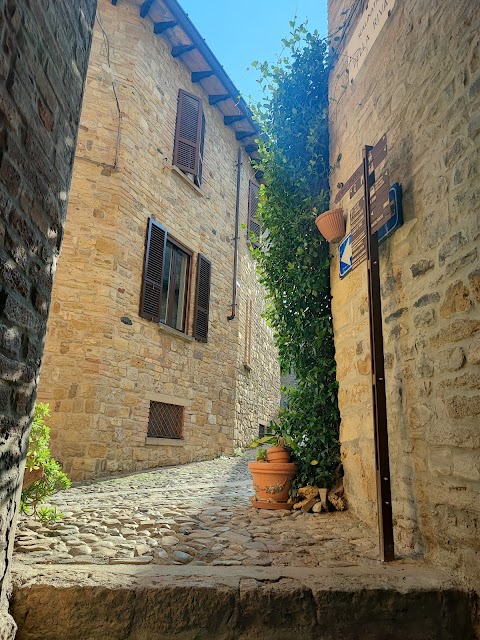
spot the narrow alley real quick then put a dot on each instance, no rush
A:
(198, 513)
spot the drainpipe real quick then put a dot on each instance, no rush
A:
(237, 224)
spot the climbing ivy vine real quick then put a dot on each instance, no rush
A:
(293, 259)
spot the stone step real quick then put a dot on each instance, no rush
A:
(399, 601)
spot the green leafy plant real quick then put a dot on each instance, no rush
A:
(281, 439)
(261, 455)
(51, 477)
(293, 259)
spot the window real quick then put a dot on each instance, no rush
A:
(166, 283)
(165, 421)
(176, 268)
(189, 135)
(254, 228)
(263, 430)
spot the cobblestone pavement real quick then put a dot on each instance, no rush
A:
(197, 514)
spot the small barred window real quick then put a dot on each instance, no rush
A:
(165, 421)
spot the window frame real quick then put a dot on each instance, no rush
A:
(180, 426)
(188, 278)
(151, 296)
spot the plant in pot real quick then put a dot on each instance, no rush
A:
(43, 474)
(273, 472)
(281, 445)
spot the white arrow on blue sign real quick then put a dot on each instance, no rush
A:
(396, 221)
(345, 253)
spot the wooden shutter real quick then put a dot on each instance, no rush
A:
(252, 224)
(202, 302)
(186, 152)
(198, 178)
(153, 271)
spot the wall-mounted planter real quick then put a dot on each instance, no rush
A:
(331, 225)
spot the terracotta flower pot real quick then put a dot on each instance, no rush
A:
(331, 225)
(272, 480)
(278, 454)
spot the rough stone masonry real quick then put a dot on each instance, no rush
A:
(419, 84)
(44, 51)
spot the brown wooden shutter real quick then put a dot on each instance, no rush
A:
(186, 152)
(202, 302)
(198, 178)
(153, 271)
(253, 226)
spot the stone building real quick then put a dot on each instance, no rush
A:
(43, 62)
(411, 70)
(156, 351)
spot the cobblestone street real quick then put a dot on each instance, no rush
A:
(198, 514)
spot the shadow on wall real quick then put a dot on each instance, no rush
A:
(399, 360)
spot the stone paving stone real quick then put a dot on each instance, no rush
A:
(198, 514)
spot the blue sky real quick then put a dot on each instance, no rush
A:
(240, 32)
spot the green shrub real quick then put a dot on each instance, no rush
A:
(293, 259)
(39, 457)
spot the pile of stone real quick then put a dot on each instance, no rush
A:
(318, 499)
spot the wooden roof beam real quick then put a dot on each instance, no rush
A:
(201, 75)
(181, 49)
(145, 8)
(221, 97)
(228, 120)
(210, 60)
(251, 148)
(241, 135)
(160, 27)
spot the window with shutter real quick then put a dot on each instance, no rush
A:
(202, 302)
(166, 278)
(188, 147)
(254, 228)
(153, 271)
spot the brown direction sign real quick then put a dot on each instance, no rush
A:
(358, 231)
(377, 154)
(380, 210)
(350, 184)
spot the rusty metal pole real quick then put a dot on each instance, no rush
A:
(384, 498)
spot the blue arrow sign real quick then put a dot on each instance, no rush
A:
(345, 253)
(396, 221)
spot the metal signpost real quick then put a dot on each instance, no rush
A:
(368, 215)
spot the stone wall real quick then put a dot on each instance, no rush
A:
(99, 374)
(420, 84)
(43, 60)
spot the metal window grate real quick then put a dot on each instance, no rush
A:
(165, 421)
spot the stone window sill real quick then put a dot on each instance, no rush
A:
(175, 333)
(175, 170)
(165, 442)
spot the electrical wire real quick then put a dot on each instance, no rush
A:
(115, 165)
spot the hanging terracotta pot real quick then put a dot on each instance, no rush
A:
(331, 225)
(272, 482)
